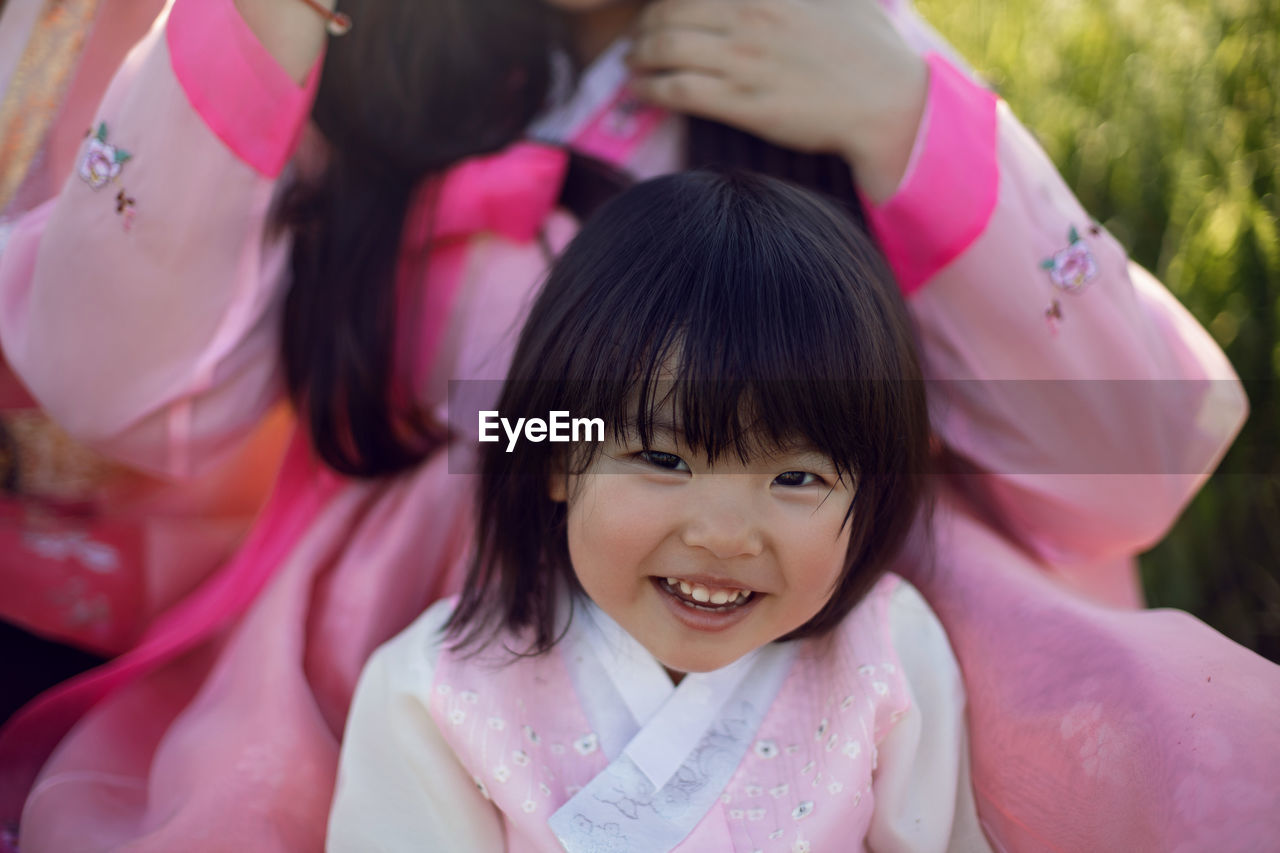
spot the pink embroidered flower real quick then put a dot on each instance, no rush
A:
(101, 161)
(1073, 267)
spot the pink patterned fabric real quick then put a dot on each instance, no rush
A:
(804, 782)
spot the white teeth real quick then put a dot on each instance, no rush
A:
(704, 595)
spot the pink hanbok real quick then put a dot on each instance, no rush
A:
(92, 551)
(825, 744)
(220, 729)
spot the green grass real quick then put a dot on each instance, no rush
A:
(1164, 119)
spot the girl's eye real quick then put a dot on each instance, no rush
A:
(658, 459)
(797, 478)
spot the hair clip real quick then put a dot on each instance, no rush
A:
(336, 23)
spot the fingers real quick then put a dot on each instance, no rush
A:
(694, 93)
(657, 51)
(722, 38)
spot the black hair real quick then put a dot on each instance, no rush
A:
(754, 311)
(411, 91)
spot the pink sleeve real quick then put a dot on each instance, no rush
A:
(1090, 403)
(142, 306)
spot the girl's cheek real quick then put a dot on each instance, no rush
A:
(617, 512)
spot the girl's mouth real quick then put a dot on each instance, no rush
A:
(711, 599)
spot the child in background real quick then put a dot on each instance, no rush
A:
(399, 253)
(609, 677)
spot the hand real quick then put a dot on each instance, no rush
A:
(828, 76)
(291, 30)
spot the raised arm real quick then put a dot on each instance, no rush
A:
(1088, 404)
(1085, 400)
(141, 307)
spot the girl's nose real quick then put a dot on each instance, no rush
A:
(721, 520)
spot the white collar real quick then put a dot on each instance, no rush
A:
(658, 737)
(576, 106)
(629, 698)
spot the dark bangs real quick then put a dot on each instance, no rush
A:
(743, 314)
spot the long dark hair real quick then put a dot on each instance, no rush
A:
(751, 312)
(413, 89)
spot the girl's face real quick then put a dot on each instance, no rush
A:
(703, 565)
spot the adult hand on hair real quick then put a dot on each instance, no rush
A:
(829, 76)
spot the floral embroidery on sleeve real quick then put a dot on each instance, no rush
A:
(102, 161)
(1070, 269)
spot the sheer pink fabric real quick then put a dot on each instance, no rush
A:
(92, 551)
(192, 725)
(1094, 728)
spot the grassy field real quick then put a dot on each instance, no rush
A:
(1164, 118)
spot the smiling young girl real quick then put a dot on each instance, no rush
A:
(357, 275)
(684, 636)
(610, 677)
